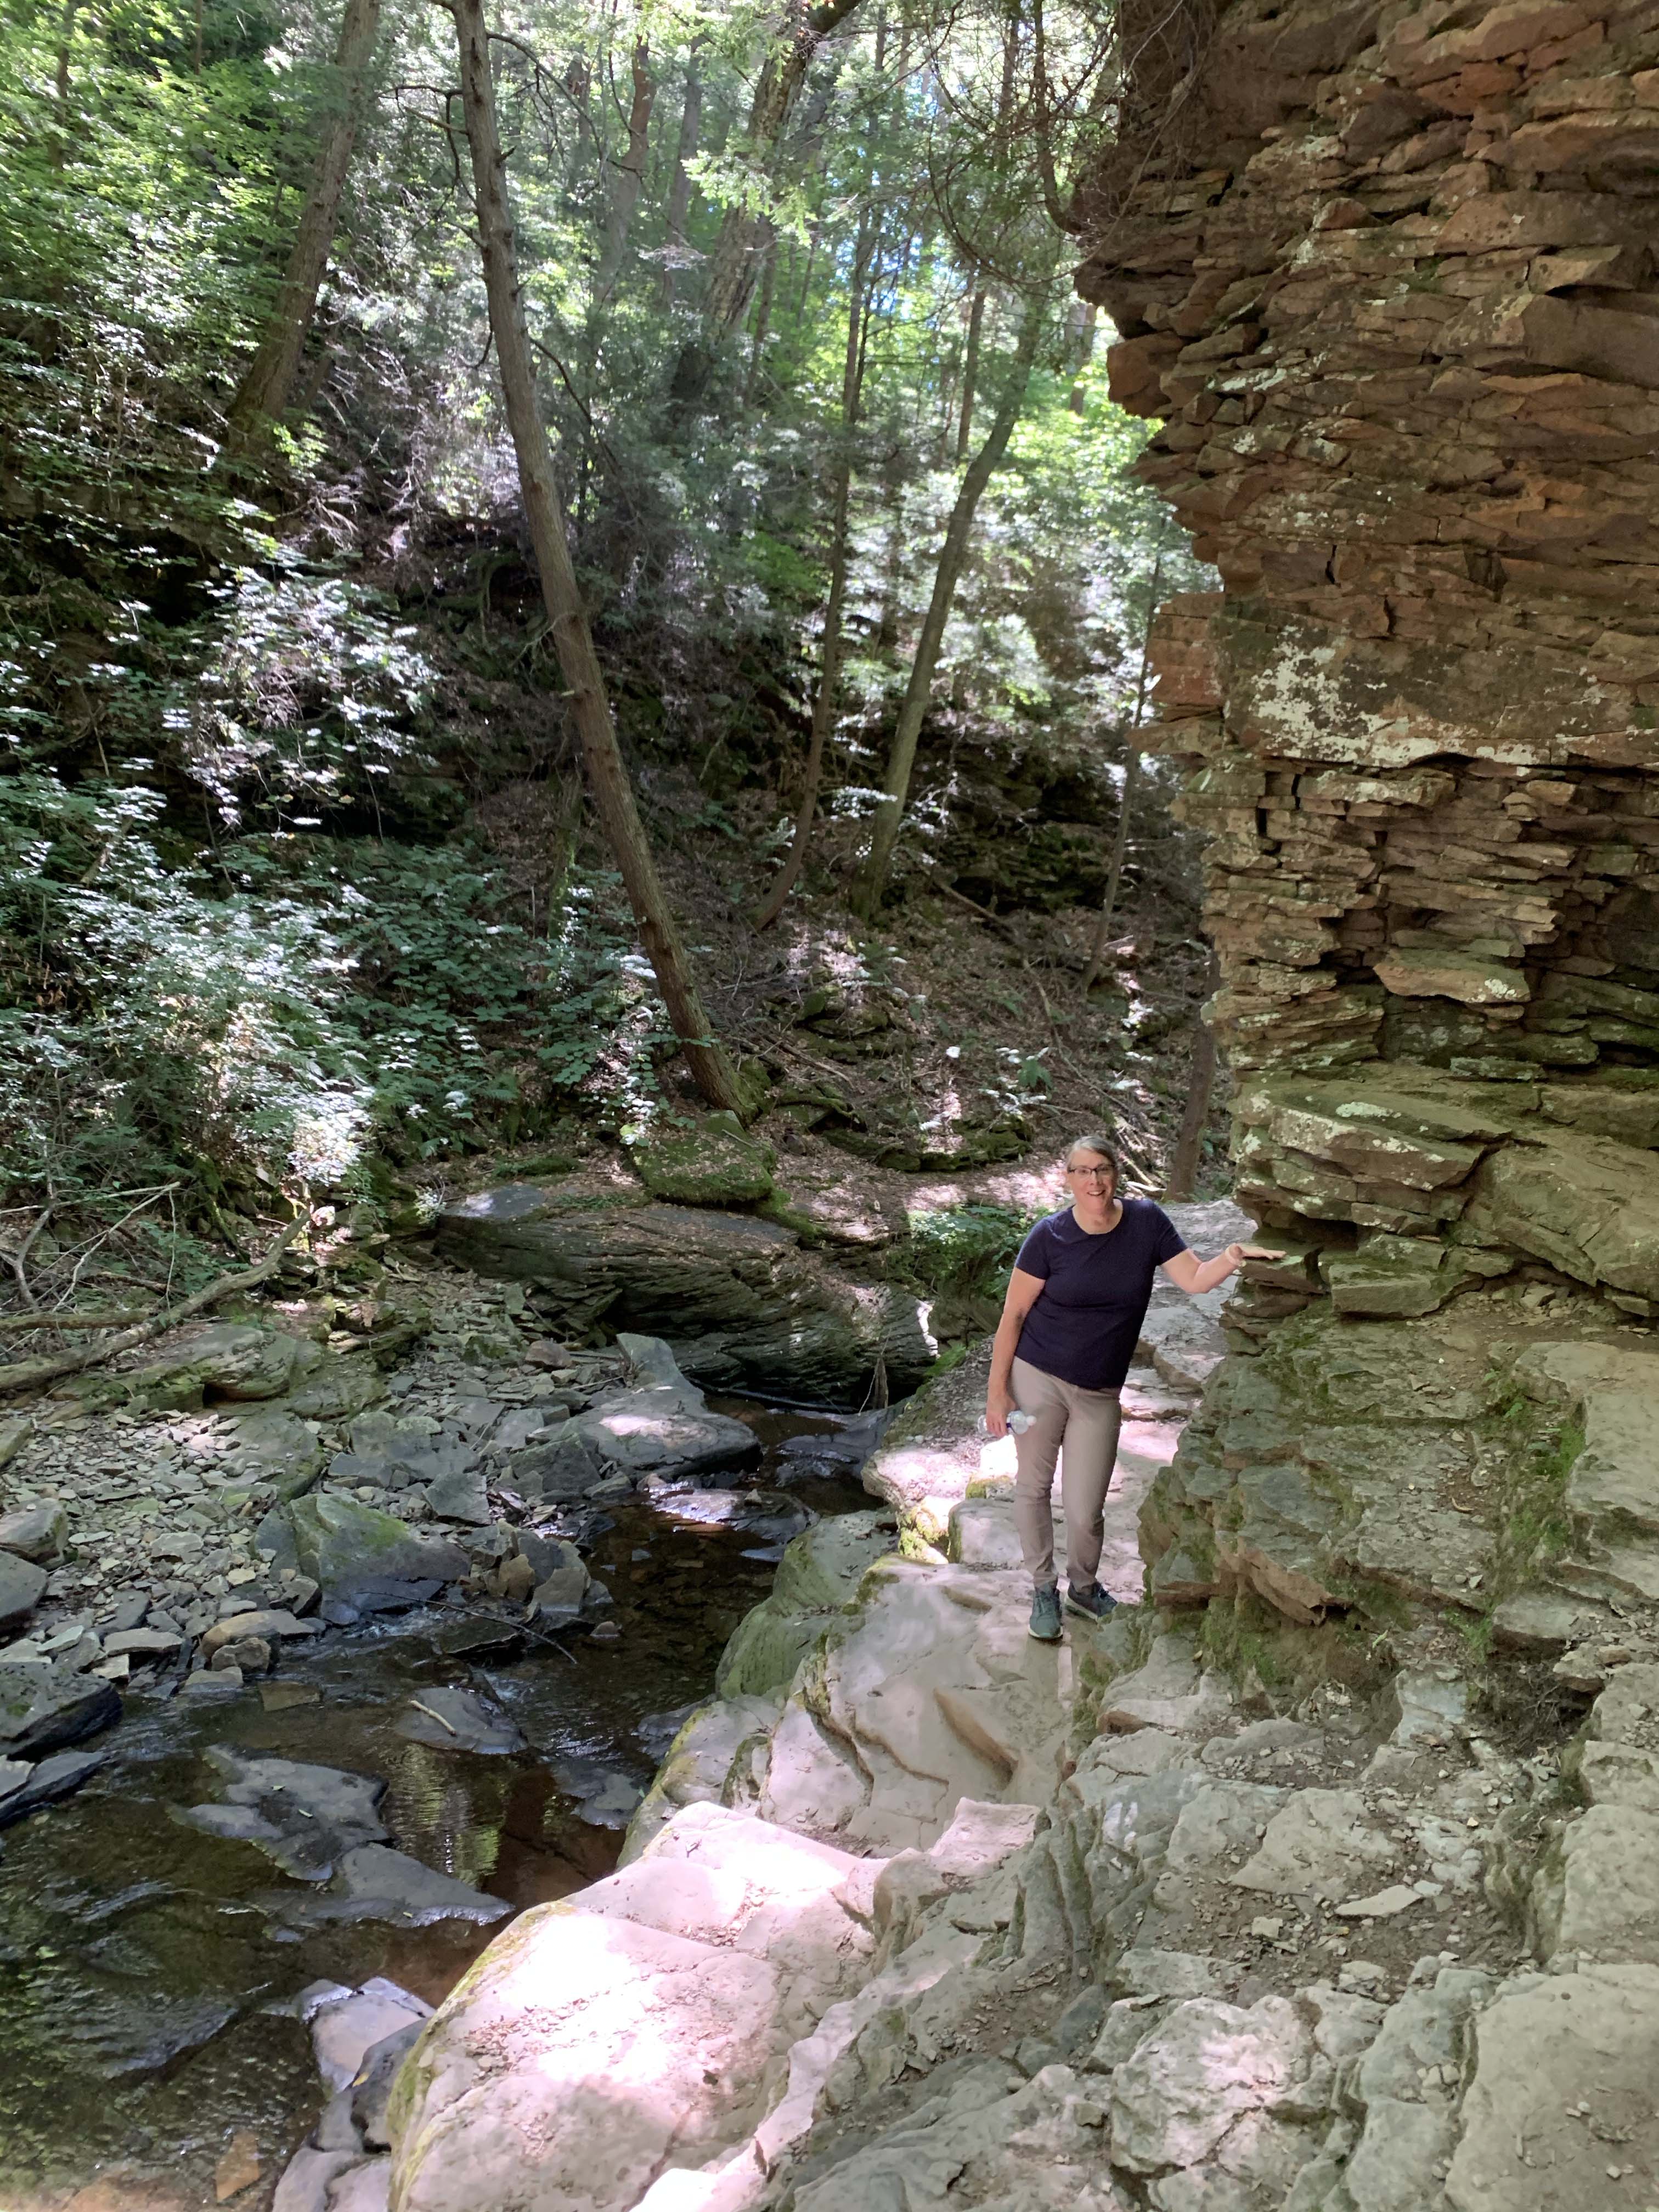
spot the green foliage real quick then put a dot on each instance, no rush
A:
(959, 1257)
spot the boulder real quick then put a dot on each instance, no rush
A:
(22, 1585)
(35, 1532)
(629, 2029)
(741, 1299)
(712, 1161)
(355, 1551)
(223, 1359)
(42, 1708)
(819, 1573)
(659, 1427)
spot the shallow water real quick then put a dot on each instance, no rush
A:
(142, 1988)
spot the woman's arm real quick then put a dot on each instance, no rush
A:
(1024, 1292)
(1195, 1276)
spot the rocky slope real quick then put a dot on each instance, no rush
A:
(921, 1913)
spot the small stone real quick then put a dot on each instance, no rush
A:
(1397, 1898)
(214, 1680)
(113, 1670)
(140, 1642)
(249, 1655)
(1267, 1927)
(606, 1632)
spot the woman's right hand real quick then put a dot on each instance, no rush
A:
(998, 1404)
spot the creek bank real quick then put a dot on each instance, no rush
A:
(463, 1750)
(1206, 1907)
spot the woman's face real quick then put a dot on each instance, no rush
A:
(1089, 1176)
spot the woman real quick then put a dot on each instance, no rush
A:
(1076, 1300)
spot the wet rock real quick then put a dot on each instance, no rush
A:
(43, 1708)
(605, 1796)
(564, 1586)
(247, 1656)
(273, 1623)
(372, 2084)
(742, 1300)
(346, 2028)
(304, 1818)
(22, 1586)
(142, 1643)
(25, 1788)
(35, 1532)
(451, 1719)
(359, 1556)
(371, 1882)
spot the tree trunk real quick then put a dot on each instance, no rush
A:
(824, 705)
(61, 84)
(1200, 1088)
(1082, 335)
(970, 373)
(733, 267)
(763, 322)
(1131, 779)
(873, 880)
(630, 175)
(263, 396)
(607, 774)
(679, 191)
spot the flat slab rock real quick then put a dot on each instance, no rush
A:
(43, 1708)
(304, 1818)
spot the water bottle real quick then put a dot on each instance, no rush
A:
(1018, 1423)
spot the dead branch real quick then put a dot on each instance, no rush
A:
(26, 1374)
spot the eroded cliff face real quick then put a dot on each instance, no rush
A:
(1387, 276)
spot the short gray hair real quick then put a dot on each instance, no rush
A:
(1104, 1145)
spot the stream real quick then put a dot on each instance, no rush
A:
(146, 1992)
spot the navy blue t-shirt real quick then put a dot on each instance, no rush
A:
(1085, 1325)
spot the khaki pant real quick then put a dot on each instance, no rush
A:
(1085, 1422)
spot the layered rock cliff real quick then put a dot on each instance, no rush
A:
(1386, 274)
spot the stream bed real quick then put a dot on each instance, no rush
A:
(146, 1988)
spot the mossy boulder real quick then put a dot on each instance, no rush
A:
(356, 1552)
(819, 1573)
(713, 1162)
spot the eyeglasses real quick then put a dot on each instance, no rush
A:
(1093, 1174)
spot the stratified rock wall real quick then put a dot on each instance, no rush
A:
(1388, 274)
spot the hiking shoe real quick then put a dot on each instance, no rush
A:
(1045, 1614)
(1090, 1601)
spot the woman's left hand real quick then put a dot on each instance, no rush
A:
(1236, 1254)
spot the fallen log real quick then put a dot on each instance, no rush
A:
(26, 1374)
